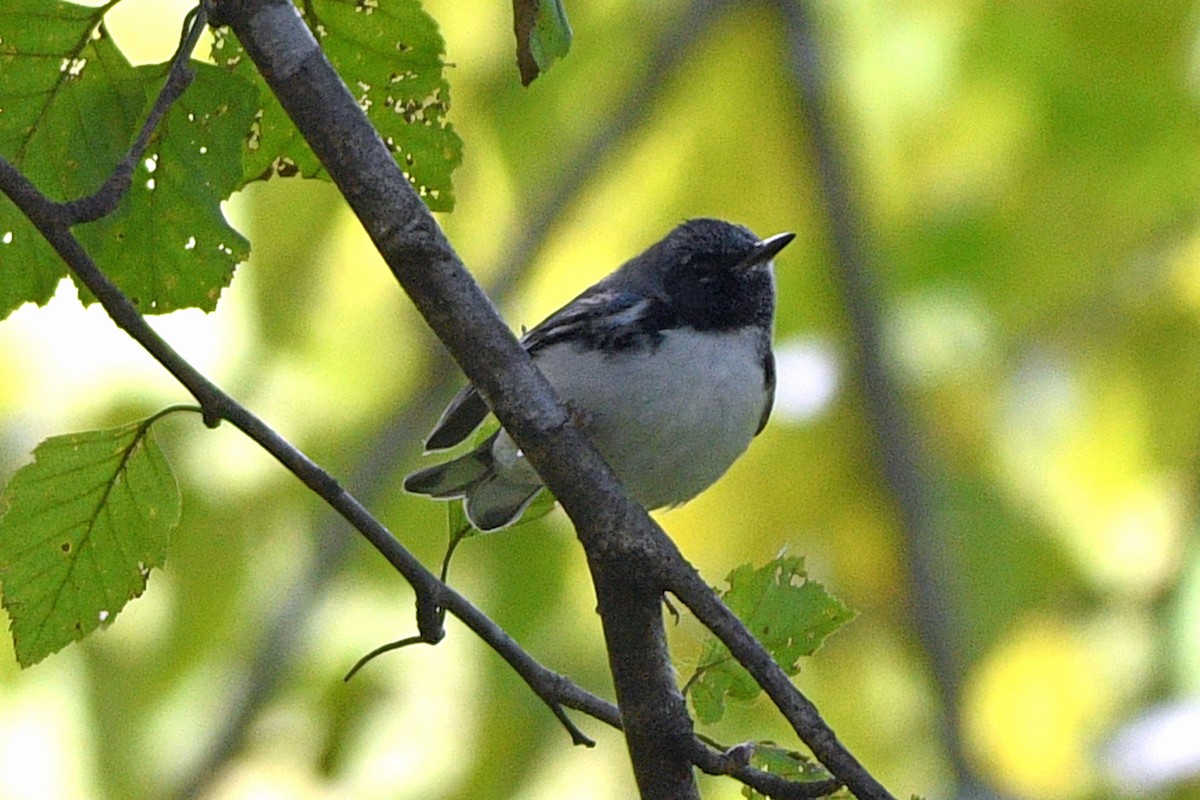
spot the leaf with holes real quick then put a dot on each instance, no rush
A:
(389, 52)
(789, 614)
(271, 145)
(168, 245)
(81, 528)
(69, 105)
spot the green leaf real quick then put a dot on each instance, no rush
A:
(390, 53)
(787, 764)
(168, 245)
(788, 613)
(81, 528)
(69, 104)
(272, 145)
(543, 36)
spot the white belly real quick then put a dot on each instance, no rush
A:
(669, 423)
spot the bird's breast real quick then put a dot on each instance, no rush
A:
(670, 419)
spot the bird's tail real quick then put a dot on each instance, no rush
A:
(490, 501)
(453, 478)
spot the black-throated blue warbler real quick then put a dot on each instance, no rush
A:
(667, 362)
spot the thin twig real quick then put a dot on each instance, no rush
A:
(179, 76)
(735, 763)
(378, 651)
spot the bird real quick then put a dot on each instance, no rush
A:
(666, 362)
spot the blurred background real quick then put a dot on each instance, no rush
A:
(985, 441)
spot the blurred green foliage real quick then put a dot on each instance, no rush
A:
(1029, 179)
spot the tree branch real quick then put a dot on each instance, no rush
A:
(612, 529)
(432, 595)
(544, 208)
(418, 254)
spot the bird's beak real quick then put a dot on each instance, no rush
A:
(765, 250)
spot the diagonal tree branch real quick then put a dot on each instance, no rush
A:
(432, 594)
(615, 533)
(326, 114)
(277, 647)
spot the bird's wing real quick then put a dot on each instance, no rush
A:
(596, 314)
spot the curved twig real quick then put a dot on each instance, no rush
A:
(104, 200)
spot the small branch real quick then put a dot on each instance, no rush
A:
(179, 76)
(735, 762)
(378, 651)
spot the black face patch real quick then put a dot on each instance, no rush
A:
(711, 295)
